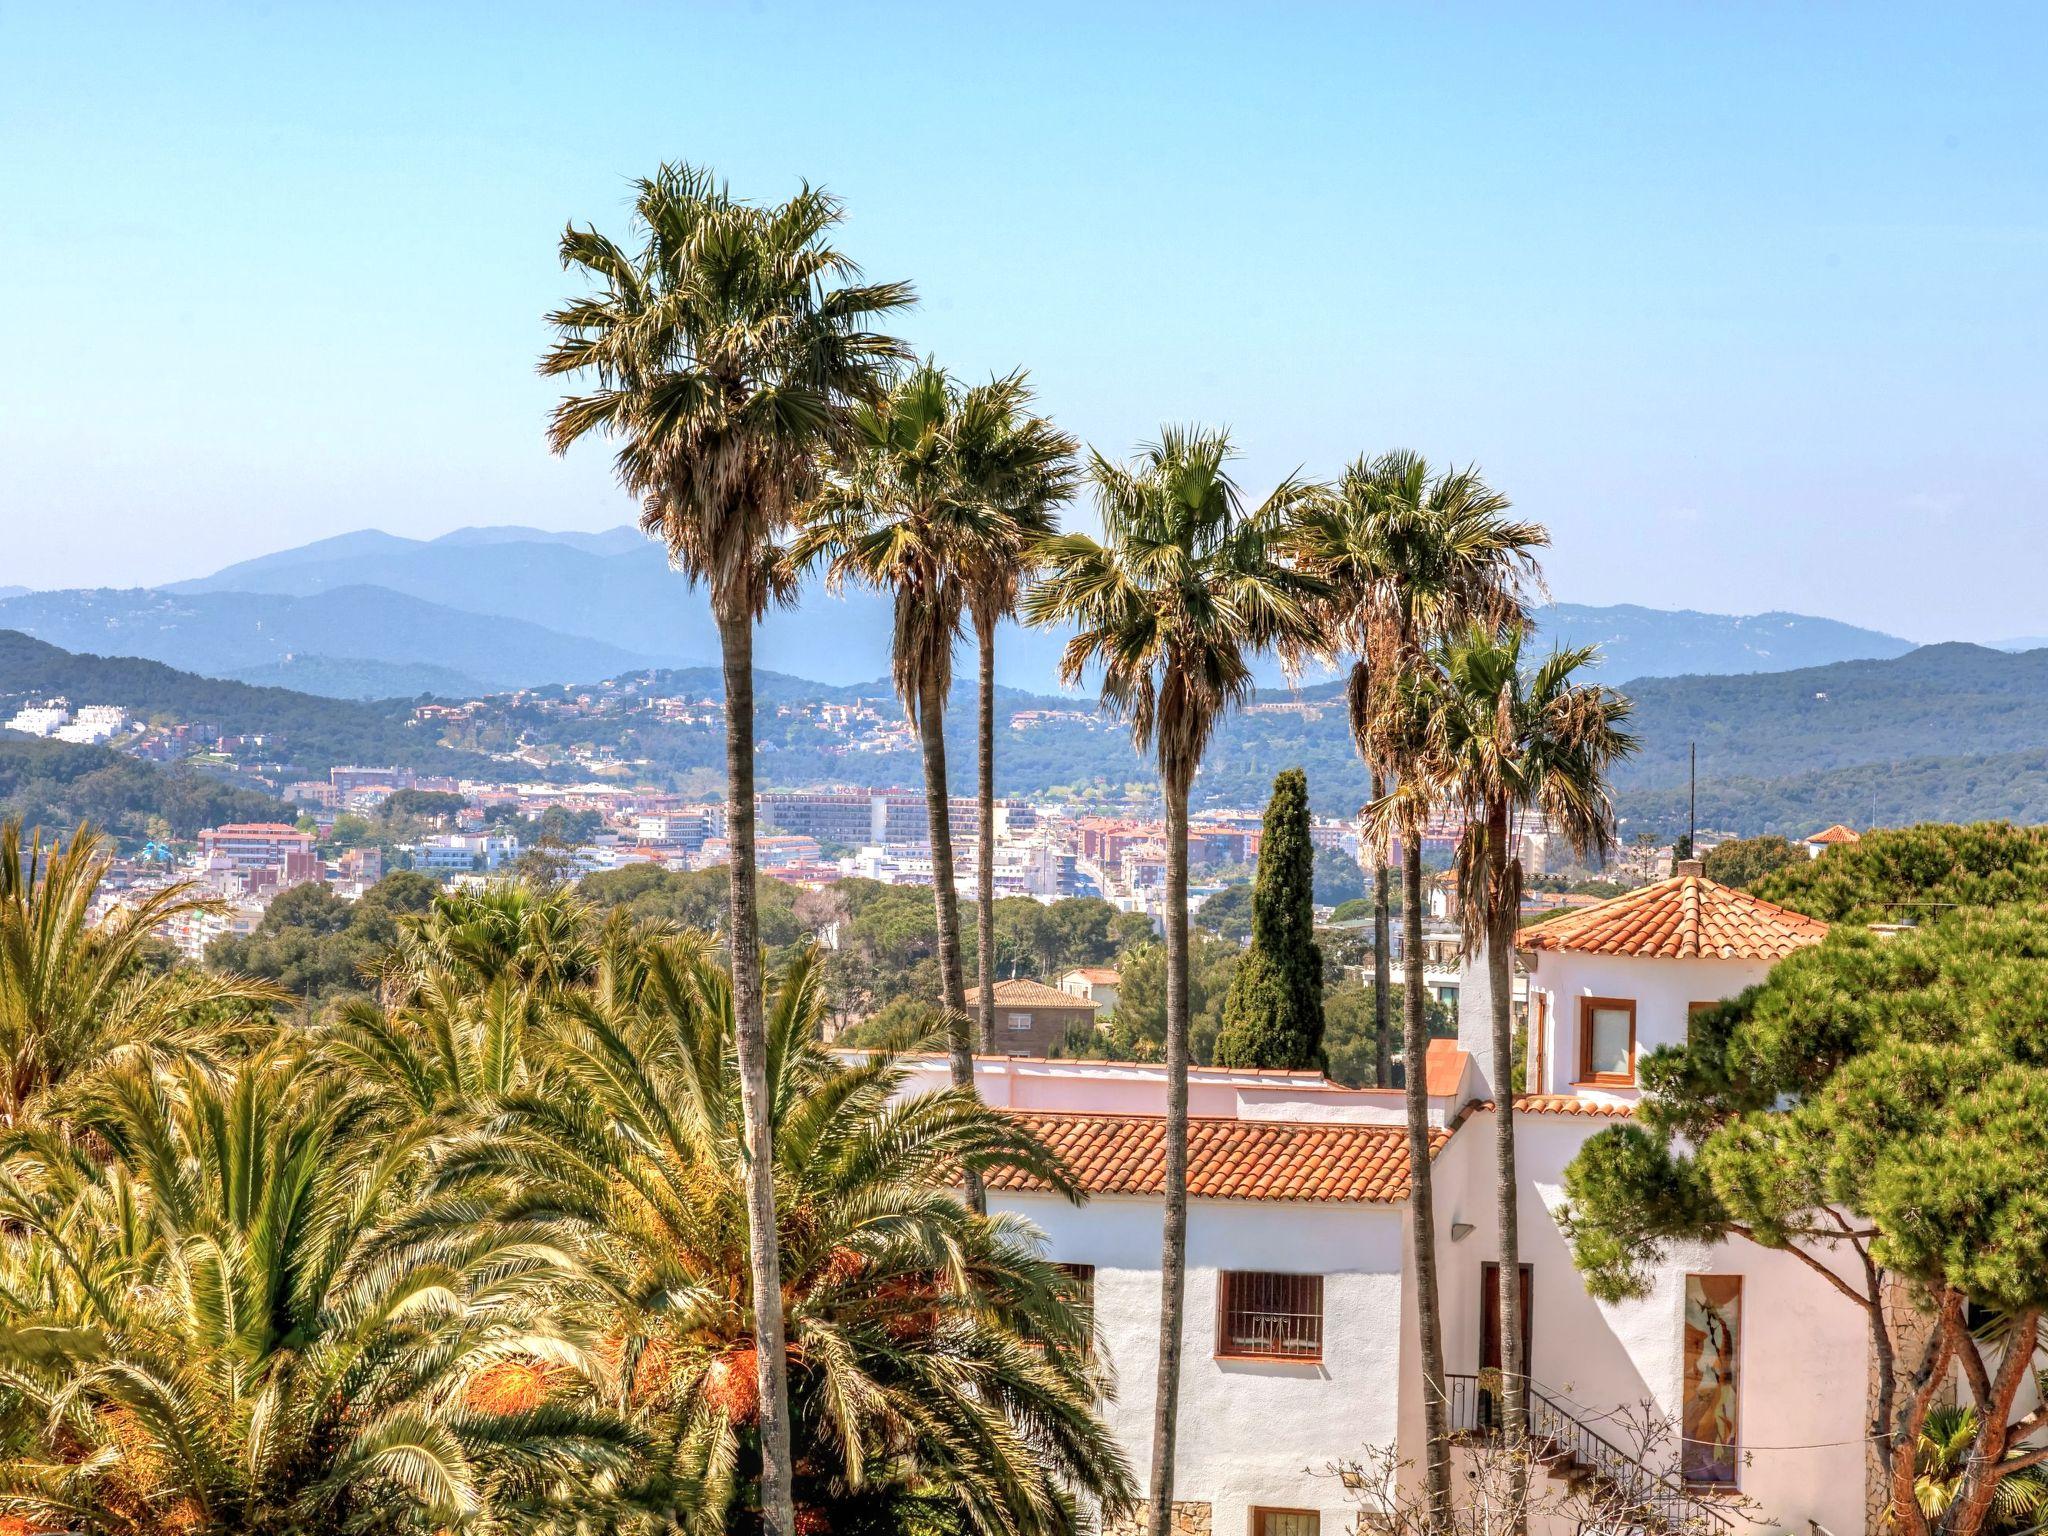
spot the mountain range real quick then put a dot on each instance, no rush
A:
(1944, 732)
(372, 614)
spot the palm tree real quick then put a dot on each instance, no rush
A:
(1422, 553)
(76, 994)
(932, 1352)
(1016, 468)
(1180, 592)
(726, 355)
(1506, 744)
(888, 519)
(1942, 1458)
(229, 1323)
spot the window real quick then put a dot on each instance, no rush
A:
(1709, 1417)
(1286, 1522)
(1270, 1317)
(1018, 1021)
(1083, 1276)
(1607, 1040)
(1693, 1011)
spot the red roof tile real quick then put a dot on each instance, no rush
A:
(1443, 1068)
(1564, 1104)
(1836, 834)
(1228, 1159)
(1685, 917)
(1020, 993)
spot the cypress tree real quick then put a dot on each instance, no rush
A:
(1273, 1015)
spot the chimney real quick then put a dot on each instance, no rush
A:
(1689, 867)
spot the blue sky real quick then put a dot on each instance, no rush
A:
(1745, 302)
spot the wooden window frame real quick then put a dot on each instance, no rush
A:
(1083, 1276)
(1258, 1512)
(1228, 1347)
(1587, 1007)
(1489, 1284)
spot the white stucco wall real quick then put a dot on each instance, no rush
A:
(1804, 1348)
(1128, 1088)
(1252, 1432)
(1662, 990)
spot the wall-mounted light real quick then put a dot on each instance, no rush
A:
(1460, 1230)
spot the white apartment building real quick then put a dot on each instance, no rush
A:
(44, 719)
(93, 724)
(462, 852)
(1301, 1344)
(192, 930)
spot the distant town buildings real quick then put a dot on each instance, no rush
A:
(90, 724)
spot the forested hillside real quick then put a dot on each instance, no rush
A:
(56, 785)
(317, 732)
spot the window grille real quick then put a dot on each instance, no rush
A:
(1286, 1522)
(1271, 1317)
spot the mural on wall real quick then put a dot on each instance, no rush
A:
(1708, 1417)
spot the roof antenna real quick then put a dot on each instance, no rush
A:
(1692, 797)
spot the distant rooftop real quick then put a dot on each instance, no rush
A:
(1227, 1159)
(1685, 917)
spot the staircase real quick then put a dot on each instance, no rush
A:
(1646, 1502)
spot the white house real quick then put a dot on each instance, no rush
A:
(1830, 837)
(1096, 983)
(1301, 1340)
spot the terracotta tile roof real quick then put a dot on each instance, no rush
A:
(1564, 1104)
(1443, 1068)
(1685, 917)
(1836, 834)
(1100, 973)
(1020, 993)
(1228, 1159)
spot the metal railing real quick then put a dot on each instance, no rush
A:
(1645, 1499)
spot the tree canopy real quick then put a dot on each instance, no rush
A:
(1917, 872)
(1744, 861)
(1880, 1102)
(1273, 1015)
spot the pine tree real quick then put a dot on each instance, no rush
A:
(1273, 1016)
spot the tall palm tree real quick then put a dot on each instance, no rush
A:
(1434, 551)
(939, 490)
(1016, 469)
(1507, 744)
(1180, 592)
(725, 355)
(886, 519)
(75, 993)
(224, 1320)
(932, 1351)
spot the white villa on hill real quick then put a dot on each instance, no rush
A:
(1301, 1343)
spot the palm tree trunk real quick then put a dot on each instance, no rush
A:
(778, 1510)
(1421, 1199)
(931, 731)
(1173, 1257)
(985, 806)
(1382, 962)
(1500, 965)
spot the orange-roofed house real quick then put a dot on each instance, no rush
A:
(1301, 1336)
(1837, 836)
(1097, 983)
(1608, 984)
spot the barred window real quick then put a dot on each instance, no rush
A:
(1286, 1522)
(1269, 1316)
